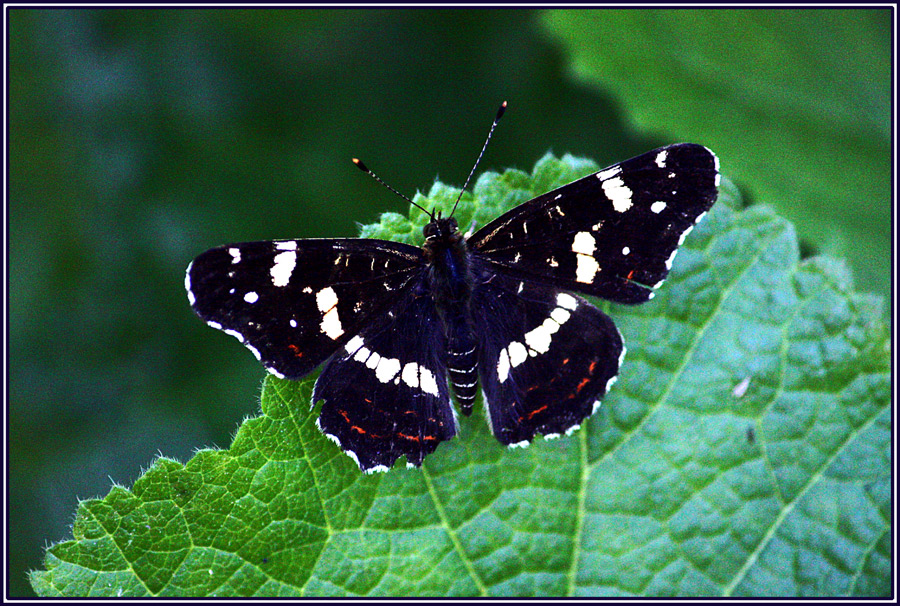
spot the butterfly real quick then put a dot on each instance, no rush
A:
(398, 327)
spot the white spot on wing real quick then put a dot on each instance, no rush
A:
(661, 158)
(618, 193)
(251, 297)
(283, 268)
(387, 369)
(517, 353)
(657, 207)
(287, 245)
(410, 374)
(187, 285)
(427, 381)
(716, 164)
(327, 300)
(566, 300)
(539, 338)
(608, 173)
(331, 324)
(354, 344)
(586, 269)
(671, 258)
(235, 255)
(234, 334)
(626, 250)
(503, 366)
(560, 315)
(377, 469)
(584, 243)
(612, 380)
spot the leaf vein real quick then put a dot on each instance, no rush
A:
(783, 514)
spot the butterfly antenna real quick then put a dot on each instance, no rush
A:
(365, 169)
(483, 147)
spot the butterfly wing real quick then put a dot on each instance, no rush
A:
(386, 391)
(295, 302)
(612, 234)
(546, 357)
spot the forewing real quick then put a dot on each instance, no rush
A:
(385, 392)
(612, 234)
(294, 302)
(546, 358)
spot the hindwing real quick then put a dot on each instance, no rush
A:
(546, 358)
(385, 392)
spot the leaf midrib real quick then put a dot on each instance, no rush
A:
(457, 546)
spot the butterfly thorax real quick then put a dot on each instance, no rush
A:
(449, 261)
(450, 282)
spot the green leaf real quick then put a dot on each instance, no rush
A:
(797, 104)
(744, 451)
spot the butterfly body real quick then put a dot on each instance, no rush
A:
(399, 327)
(450, 283)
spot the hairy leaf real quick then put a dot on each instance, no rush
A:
(744, 451)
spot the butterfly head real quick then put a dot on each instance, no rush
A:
(441, 234)
(441, 229)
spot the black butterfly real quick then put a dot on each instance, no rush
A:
(396, 323)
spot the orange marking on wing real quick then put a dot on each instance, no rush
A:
(534, 412)
(358, 429)
(631, 273)
(581, 385)
(296, 350)
(413, 438)
(592, 367)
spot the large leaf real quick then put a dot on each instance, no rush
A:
(799, 102)
(744, 451)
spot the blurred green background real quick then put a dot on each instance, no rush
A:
(139, 138)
